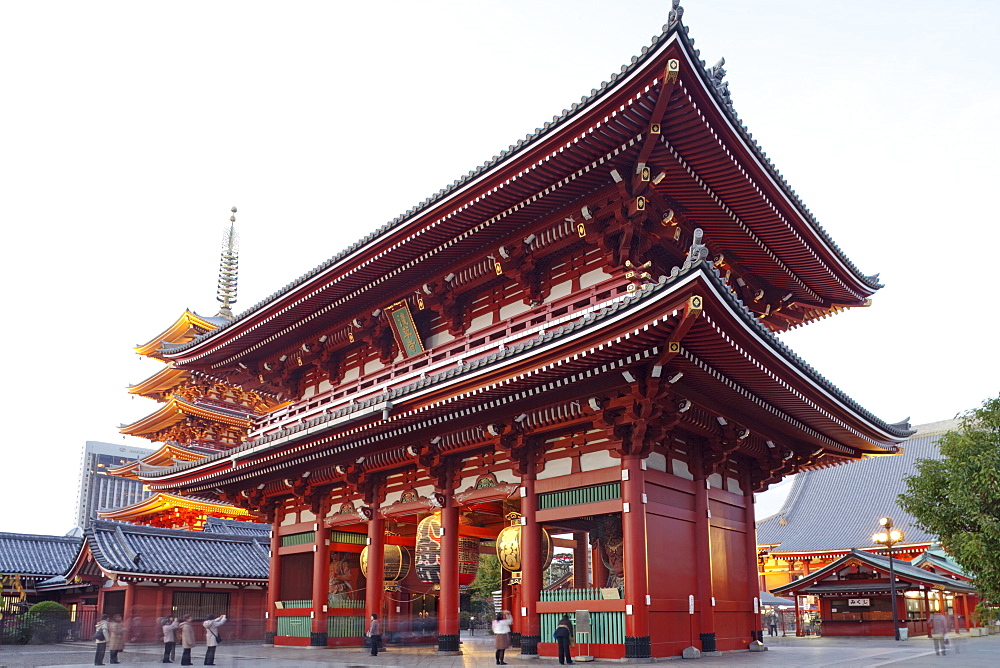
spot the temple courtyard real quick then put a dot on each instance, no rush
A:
(478, 651)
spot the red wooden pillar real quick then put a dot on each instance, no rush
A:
(703, 562)
(753, 565)
(448, 631)
(237, 612)
(580, 569)
(637, 640)
(600, 569)
(375, 584)
(273, 584)
(160, 587)
(321, 580)
(129, 611)
(531, 564)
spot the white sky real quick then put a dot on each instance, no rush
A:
(129, 130)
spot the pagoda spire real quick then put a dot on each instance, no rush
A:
(228, 269)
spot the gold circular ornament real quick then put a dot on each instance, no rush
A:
(396, 563)
(509, 548)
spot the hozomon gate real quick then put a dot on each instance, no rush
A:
(581, 332)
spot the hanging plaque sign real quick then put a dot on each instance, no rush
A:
(404, 329)
(862, 602)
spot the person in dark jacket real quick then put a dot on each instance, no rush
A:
(101, 638)
(374, 634)
(564, 636)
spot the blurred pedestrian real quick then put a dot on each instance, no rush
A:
(501, 635)
(101, 638)
(187, 640)
(939, 633)
(169, 627)
(212, 638)
(116, 637)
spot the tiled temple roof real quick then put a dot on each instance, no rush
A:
(904, 570)
(142, 550)
(717, 88)
(628, 301)
(216, 525)
(838, 508)
(35, 556)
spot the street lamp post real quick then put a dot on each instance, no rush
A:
(889, 537)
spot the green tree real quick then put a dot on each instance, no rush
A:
(49, 622)
(957, 497)
(487, 581)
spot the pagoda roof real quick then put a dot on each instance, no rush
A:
(176, 409)
(814, 583)
(187, 326)
(748, 205)
(140, 552)
(161, 502)
(838, 508)
(218, 525)
(165, 379)
(36, 557)
(165, 456)
(576, 345)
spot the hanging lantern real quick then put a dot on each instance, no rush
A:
(428, 557)
(395, 562)
(509, 545)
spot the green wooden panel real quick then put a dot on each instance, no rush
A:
(575, 497)
(356, 605)
(575, 595)
(345, 627)
(298, 538)
(348, 538)
(297, 604)
(295, 627)
(606, 628)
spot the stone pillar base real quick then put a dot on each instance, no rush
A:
(269, 637)
(638, 648)
(448, 642)
(529, 645)
(317, 639)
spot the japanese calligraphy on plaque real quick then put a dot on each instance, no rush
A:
(404, 329)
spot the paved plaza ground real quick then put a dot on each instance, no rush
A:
(478, 651)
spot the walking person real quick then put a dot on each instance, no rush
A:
(212, 638)
(101, 638)
(374, 634)
(939, 633)
(187, 640)
(169, 626)
(564, 637)
(772, 623)
(116, 637)
(501, 635)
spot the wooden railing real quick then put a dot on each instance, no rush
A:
(464, 349)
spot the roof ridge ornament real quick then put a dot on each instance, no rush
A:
(675, 15)
(716, 75)
(228, 269)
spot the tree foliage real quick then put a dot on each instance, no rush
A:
(957, 498)
(487, 581)
(49, 622)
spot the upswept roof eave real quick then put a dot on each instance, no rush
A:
(156, 503)
(892, 432)
(728, 111)
(184, 323)
(673, 29)
(163, 378)
(176, 406)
